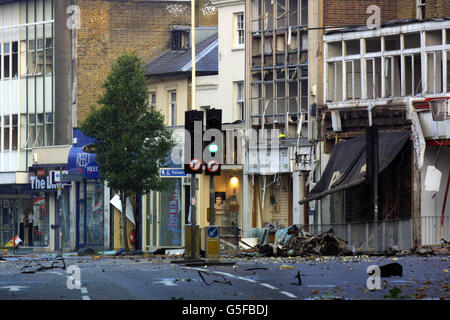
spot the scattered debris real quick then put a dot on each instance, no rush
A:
(299, 279)
(297, 242)
(258, 268)
(86, 252)
(224, 281)
(284, 267)
(36, 265)
(391, 269)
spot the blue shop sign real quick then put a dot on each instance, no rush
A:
(91, 170)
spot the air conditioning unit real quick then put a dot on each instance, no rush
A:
(440, 109)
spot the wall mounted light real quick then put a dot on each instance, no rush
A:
(234, 181)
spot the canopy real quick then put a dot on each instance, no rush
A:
(347, 165)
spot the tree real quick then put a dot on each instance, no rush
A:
(131, 138)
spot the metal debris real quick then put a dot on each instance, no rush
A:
(297, 242)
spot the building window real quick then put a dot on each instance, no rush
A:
(10, 129)
(39, 57)
(10, 60)
(173, 107)
(180, 39)
(37, 132)
(152, 100)
(240, 107)
(420, 9)
(240, 34)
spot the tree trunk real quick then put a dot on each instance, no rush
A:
(123, 220)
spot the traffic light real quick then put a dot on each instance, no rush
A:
(193, 125)
(214, 153)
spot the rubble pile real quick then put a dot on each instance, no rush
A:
(297, 242)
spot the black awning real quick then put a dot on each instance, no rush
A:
(347, 165)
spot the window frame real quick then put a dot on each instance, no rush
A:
(239, 30)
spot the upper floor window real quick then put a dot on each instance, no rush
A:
(180, 39)
(39, 56)
(239, 29)
(173, 107)
(240, 106)
(10, 60)
(420, 9)
(152, 100)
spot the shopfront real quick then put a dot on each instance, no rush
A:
(46, 210)
(91, 198)
(165, 213)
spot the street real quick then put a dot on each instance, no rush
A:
(251, 278)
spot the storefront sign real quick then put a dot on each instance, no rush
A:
(45, 179)
(91, 170)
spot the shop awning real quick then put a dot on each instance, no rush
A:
(82, 163)
(347, 165)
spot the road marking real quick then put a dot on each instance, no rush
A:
(246, 279)
(269, 286)
(85, 298)
(84, 290)
(14, 288)
(290, 295)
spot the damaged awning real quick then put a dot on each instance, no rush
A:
(347, 165)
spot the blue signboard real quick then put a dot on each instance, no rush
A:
(213, 232)
(167, 172)
(91, 170)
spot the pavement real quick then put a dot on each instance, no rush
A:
(253, 278)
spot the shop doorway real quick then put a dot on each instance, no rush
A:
(90, 214)
(165, 216)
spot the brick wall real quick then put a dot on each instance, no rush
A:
(437, 8)
(110, 27)
(354, 12)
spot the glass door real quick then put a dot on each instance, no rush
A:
(170, 214)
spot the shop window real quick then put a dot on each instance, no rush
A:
(10, 62)
(94, 213)
(10, 132)
(39, 218)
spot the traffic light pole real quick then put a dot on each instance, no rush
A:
(212, 200)
(193, 214)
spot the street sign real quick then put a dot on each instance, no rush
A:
(213, 232)
(195, 165)
(167, 172)
(213, 166)
(212, 243)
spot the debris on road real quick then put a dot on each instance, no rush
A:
(391, 270)
(86, 252)
(37, 265)
(297, 242)
(299, 280)
(224, 281)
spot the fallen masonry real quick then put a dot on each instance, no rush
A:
(297, 242)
